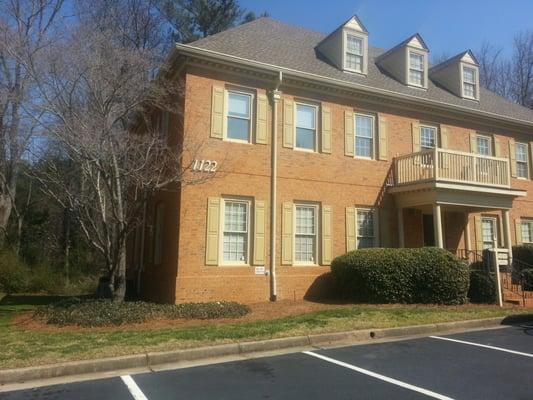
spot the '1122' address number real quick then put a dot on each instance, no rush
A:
(204, 165)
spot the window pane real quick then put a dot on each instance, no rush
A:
(304, 247)
(304, 244)
(305, 116)
(483, 145)
(305, 220)
(305, 138)
(521, 169)
(235, 240)
(416, 77)
(469, 75)
(416, 61)
(363, 147)
(521, 152)
(235, 216)
(238, 128)
(364, 126)
(488, 231)
(354, 62)
(239, 105)
(354, 45)
(428, 137)
(365, 229)
(234, 247)
(469, 90)
(526, 232)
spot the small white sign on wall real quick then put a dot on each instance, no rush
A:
(260, 270)
(204, 165)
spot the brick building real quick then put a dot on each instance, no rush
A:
(323, 144)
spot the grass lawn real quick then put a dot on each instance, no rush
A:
(24, 347)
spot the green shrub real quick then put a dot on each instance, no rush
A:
(424, 275)
(524, 255)
(98, 312)
(482, 287)
(13, 273)
(527, 275)
(45, 279)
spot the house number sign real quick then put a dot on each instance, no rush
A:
(204, 165)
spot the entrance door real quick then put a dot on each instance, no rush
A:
(429, 230)
(488, 231)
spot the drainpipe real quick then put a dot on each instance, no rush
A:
(275, 96)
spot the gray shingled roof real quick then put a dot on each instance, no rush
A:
(268, 41)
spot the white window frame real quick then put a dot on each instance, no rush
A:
(409, 68)
(223, 202)
(316, 108)
(525, 145)
(346, 51)
(375, 226)
(226, 114)
(314, 262)
(474, 84)
(435, 129)
(373, 145)
(529, 223)
(494, 221)
(488, 139)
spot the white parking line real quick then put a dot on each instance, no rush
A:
(483, 345)
(135, 390)
(379, 376)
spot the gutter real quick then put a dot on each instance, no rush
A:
(275, 96)
(275, 69)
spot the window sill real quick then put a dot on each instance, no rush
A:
(237, 141)
(304, 150)
(233, 265)
(364, 158)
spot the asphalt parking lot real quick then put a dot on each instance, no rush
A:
(490, 364)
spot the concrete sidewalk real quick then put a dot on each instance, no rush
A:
(148, 361)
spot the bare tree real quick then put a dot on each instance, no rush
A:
(26, 29)
(494, 69)
(522, 69)
(96, 89)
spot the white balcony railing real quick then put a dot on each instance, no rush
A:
(451, 166)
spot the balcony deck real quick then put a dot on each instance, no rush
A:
(450, 166)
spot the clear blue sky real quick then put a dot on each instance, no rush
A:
(447, 26)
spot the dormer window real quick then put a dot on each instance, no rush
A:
(416, 69)
(354, 53)
(469, 82)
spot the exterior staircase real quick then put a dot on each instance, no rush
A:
(514, 293)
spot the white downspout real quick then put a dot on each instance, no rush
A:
(275, 96)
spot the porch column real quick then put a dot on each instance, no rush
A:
(437, 224)
(401, 239)
(507, 234)
(467, 234)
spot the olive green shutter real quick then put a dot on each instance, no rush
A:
(479, 233)
(259, 233)
(213, 227)
(415, 133)
(384, 227)
(497, 147)
(327, 234)
(261, 130)
(326, 130)
(286, 234)
(217, 112)
(473, 142)
(512, 157)
(348, 134)
(288, 123)
(351, 237)
(444, 138)
(518, 230)
(383, 139)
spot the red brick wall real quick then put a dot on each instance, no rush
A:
(328, 179)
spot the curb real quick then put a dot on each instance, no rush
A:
(149, 360)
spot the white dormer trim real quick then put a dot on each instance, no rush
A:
(364, 39)
(414, 42)
(355, 24)
(475, 68)
(422, 52)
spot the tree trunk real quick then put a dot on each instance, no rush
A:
(66, 245)
(5, 212)
(119, 292)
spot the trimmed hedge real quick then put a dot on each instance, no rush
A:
(482, 287)
(425, 275)
(99, 312)
(527, 275)
(524, 254)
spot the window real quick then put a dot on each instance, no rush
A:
(483, 146)
(239, 116)
(416, 69)
(305, 234)
(354, 53)
(364, 135)
(306, 127)
(235, 236)
(365, 228)
(158, 233)
(527, 231)
(521, 160)
(428, 137)
(469, 82)
(488, 231)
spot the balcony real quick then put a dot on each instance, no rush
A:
(450, 166)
